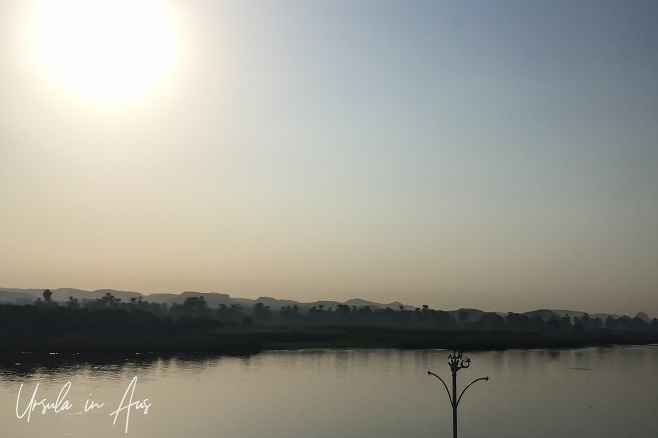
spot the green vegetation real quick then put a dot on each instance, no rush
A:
(108, 326)
(285, 336)
(112, 331)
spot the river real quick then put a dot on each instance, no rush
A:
(602, 392)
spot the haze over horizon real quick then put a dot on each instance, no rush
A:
(62, 295)
(492, 155)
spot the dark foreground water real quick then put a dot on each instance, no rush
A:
(602, 392)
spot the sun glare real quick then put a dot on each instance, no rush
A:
(105, 49)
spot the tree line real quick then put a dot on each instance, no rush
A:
(110, 326)
(195, 309)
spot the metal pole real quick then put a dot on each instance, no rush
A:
(454, 403)
(456, 363)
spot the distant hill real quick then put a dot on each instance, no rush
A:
(213, 299)
(544, 314)
(63, 294)
(363, 303)
(28, 296)
(274, 303)
(325, 304)
(14, 296)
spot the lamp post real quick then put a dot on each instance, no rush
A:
(456, 361)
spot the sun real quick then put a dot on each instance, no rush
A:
(105, 49)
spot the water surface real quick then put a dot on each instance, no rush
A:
(603, 392)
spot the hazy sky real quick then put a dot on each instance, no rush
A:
(501, 155)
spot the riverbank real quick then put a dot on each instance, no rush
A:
(240, 339)
(365, 336)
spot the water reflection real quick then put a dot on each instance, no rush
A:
(18, 367)
(329, 393)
